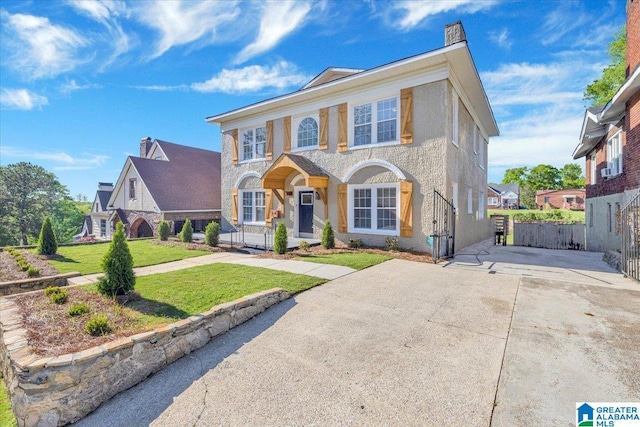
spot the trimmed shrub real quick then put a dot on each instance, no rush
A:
(98, 325)
(50, 290)
(164, 230)
(117, 265)
(392, 243)
(186, 235)
(328, 238)
(280, 243)
(78, 309)
(33, 271)
(59, 297)
(47, 243)
(212, 234)
(355, 243)
(304, 245)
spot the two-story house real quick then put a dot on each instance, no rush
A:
(365, 149)
(168, 182)
(610, 143)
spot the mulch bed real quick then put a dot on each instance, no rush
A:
(342, 248)
(9, 270)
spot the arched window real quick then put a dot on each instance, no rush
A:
(308, 132)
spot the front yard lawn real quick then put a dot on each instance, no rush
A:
(6, 415)
(87, 258)
(355, 260)
(165, 298)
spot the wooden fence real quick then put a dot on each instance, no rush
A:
(549, 235)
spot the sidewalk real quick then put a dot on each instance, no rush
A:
(324, 271)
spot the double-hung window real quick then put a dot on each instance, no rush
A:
(614, 154)
(254, 142)
(103, 227)
(253, 206)
(375, 122)
(374, 209)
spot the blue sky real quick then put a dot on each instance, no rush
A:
(81, 82)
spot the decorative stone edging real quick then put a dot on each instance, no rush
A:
(35, 283)
(53, 391)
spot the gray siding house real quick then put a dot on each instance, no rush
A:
(365, 149)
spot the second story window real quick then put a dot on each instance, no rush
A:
(132, 188)
(375, 122)
(614, 154)
(307, 133)
(254, 142)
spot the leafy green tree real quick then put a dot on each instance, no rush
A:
(571, 176)
(47, 244)
(516, 175)
(613, 76)
(117, 265)
(328, 237)
(164, 230)
(280, 242)
(212, 234)
(527, 197)
(544, 177)
(28, 193)
(186, 235)
(67, 218)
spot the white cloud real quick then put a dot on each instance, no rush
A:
(162, 88)
(278, 19)
(501, 38)
(253, 78)
(21, 99)
(72, 86)
(414, 12)
(180, 23)
(560, 23)
(39, 48)
(63, 160)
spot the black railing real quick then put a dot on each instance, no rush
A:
(444, 227)
(630, 218)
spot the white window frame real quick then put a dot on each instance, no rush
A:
(614, 153)
(483, 150)
(455, 125)
(294, 131)
(253, 206)
(374, 211)
(374, 121)
(103, 230)
(592, 173)
(481, 207)
(492, 201)
(133, 184)
(254, 151)
(470, 201)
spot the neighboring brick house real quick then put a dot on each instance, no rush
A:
(610, 143)
(167, 182)
(568, 198)
(508, 196)
(365, 149)
(96, 224)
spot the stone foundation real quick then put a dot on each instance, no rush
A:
(34, 284)
(54, 391)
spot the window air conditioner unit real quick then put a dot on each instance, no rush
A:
(606, 172)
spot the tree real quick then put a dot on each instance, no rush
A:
(613, 76)
(212, 234)
(67, 217)
(544, 177)
(186, 235)
(516, 176)
(328, 237)
(571, 176)
(47, 244)
(164, 230)
(117, 265)
(28, 194)
(280, 242)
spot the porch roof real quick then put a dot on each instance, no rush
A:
(274, 178)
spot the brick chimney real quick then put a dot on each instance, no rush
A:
(454, 33)
(633, 35)
(145, 146)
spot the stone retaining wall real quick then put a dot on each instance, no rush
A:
(54, 391)
(34, 284)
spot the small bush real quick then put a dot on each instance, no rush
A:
(164, 230)
(328, 238)
(50, 290)
(186, 235)
(47, 243)
(33, 272)
(117, 265)
(304, 245)
(59, 297)
(392, 243)
(212, 234)
(355, 243)
(78, 309)
(280, 243)
(98, 325)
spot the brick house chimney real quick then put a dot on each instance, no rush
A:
(454, 33)
(633, 35)
(145, 146)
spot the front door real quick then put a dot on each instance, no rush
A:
(305, 212)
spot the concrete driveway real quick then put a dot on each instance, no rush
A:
(406, 343)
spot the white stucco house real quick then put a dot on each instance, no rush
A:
(365, 149)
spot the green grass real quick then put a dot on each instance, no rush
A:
(355, 260)
(6, 415)
(183, 293)
(87, 258)
(570, 215)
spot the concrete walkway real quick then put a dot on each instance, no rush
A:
(325, 271)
